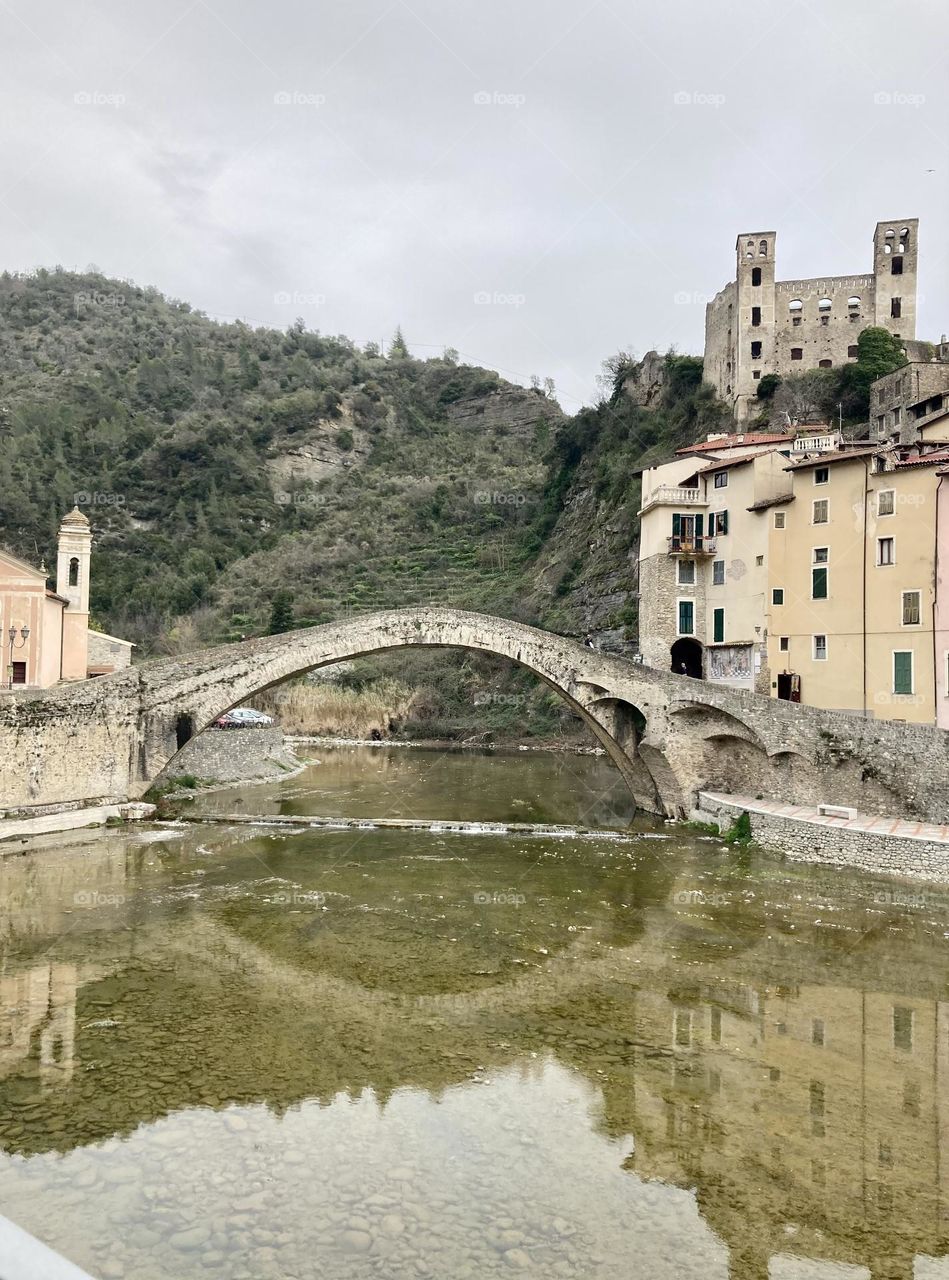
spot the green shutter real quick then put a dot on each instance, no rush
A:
(699, 520)
(819, 584)
(686, 618)
(676, 524)
(718, 626)
(902, 672)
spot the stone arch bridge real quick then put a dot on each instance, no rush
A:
(109, 738)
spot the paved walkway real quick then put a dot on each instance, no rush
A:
(904, 828)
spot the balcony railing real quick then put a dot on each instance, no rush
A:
(672, 495)
(691, 544)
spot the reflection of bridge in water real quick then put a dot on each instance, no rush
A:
(809, 1116)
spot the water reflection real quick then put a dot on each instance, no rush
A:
(231, 1053)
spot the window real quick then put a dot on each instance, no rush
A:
(686, 617)
(825, 364)
(902, 1028)
(74, 572)
(795, 320)
(755, 317)
(824, 304)
(756, 276)
(896, 308)
(821, 555)
(718, 573)
(825, 319)
(756, 351)
(820, 648)
(759, 561)
(715, 1024)
(821, 475)
(817, 1032)
(718, 626)
(797, 353)
(721, 479)
(903, 671)
(911, 608)
(686, 573)
(853, 304)
(852, 352)
(718, 522)
(896, 265)
(777, 595)
(886, 551)
(886, 499)
(755, 374)
(19, 673)
(897, 416)
(819, 583)
(820, 511)
(779, 519)
(795, 305)
(784, 644)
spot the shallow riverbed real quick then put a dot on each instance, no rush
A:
(247, 1053)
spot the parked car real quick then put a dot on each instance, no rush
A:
(243, 718)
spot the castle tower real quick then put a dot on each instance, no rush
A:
(73, 556)
(754, 342)
(895, 262)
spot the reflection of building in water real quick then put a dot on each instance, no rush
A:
(38, 1017)
(820, 1105)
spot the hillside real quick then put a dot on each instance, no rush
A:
(221, 464)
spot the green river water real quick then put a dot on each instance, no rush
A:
(271, 1052)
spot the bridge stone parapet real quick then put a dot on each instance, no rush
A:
(670, 736)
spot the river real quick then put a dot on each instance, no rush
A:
(245, 1052)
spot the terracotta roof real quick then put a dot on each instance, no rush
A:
(736, 441)
(824, 459)
(771, 502)
(724, 463)
(925, 459)
(51, 595)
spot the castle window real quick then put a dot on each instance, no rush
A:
(896, 266)
(74, 572)
(890, 235)
(756, 351)
(853, 352)
(755, 374)
(755, 317)
(853, 303)
(825, 364)
(896, 308)
(795, 320)
(904, 234)
(795, 305)
(797, 353)
(887, 248)
(824, 304)
(756, 275)
(763, 249)
(825, 319)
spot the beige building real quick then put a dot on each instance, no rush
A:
(45, 634)
(851, 567)
(758, 325)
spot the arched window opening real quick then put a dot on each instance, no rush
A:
(825, 364)
(904, 234)
(795, 305)
(762, 249)
(891, 234)
(825, 304)
(896, 266)
(74, 572)
(887, 248)
(853, 303)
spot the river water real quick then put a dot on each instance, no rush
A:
(250, 1052)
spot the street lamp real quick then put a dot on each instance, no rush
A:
(24, 636)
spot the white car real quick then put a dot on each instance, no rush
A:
(243, 718)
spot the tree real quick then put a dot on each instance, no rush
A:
(398, 349)
(281, 613)
(806, 397)
(768, 386)
(878, 353)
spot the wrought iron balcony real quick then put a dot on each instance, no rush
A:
(691, 544)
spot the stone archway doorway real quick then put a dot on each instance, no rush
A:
(686, 658)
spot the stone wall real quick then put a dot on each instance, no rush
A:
(803, 841)
(233, 755)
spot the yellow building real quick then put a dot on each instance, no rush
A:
(851, 569)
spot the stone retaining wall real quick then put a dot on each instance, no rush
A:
(804, 841)
(233, 755)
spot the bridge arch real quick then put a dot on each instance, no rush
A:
(196, 689)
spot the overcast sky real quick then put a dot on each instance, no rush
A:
(538, 183)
